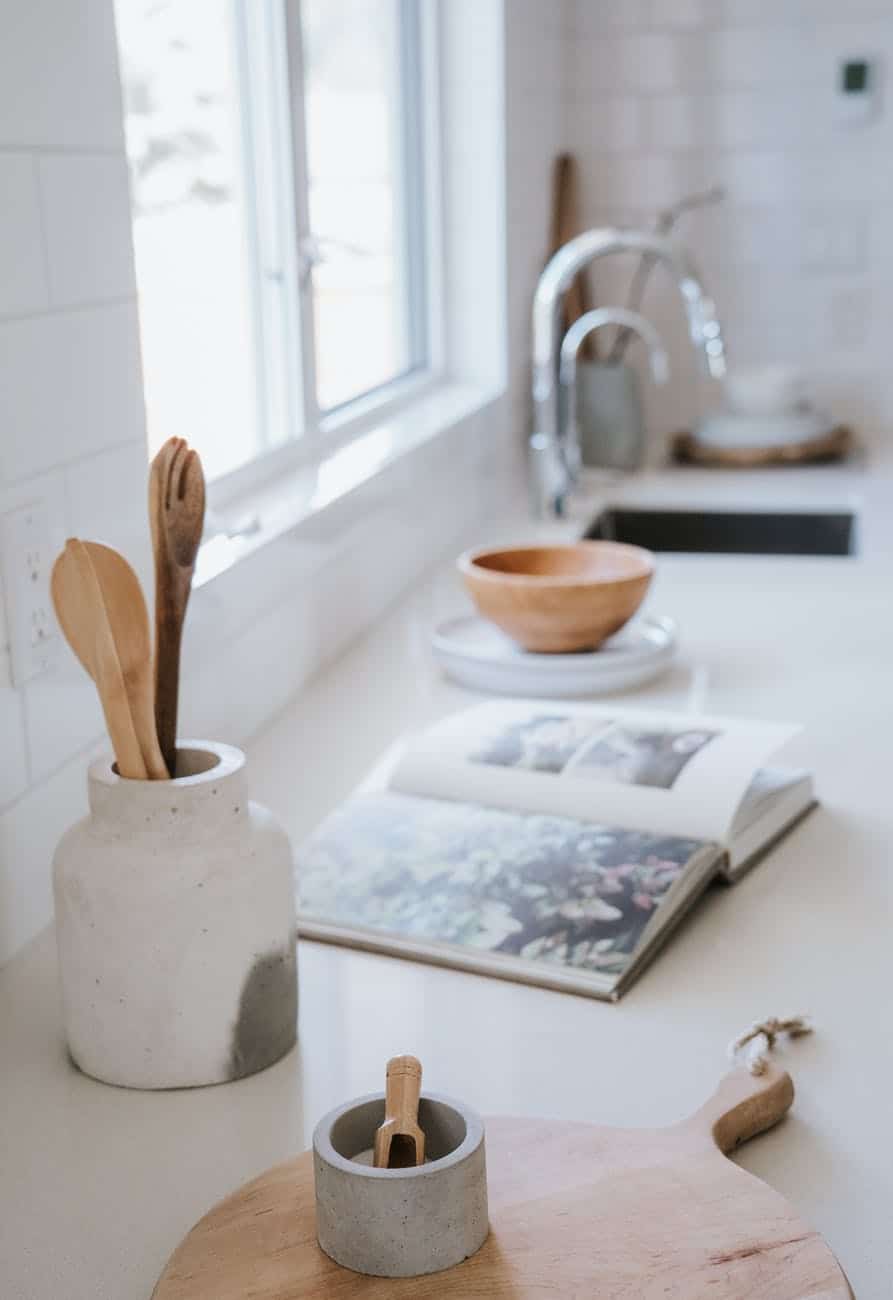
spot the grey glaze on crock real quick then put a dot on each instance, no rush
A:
(175, 925)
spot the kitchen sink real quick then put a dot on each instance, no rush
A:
(732, 532)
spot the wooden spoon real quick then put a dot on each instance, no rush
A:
(399, 1142)
(129, 621)
(83, 617)
(176, 516)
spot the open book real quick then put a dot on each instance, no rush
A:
(546, 842)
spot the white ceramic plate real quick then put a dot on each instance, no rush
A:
(475, 653)
(745, 432)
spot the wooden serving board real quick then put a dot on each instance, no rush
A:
(575, 1211)
(834, 446)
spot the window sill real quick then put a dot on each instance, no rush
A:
(294, 497)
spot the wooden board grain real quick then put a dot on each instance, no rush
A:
(575, 1211)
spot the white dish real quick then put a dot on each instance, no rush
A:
(739, 432)
(475, 653)
(773, 389)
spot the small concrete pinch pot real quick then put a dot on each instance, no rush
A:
(408, 1221)
(175, 925)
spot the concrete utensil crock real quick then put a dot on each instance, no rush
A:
(175, 925)
(400, 1222)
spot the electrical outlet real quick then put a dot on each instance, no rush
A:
(34, 637)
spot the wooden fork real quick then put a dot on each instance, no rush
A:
(176, 515)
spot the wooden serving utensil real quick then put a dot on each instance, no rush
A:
(83, 617)
(564, 225)
(129, 622)
(399, 1142)
(176, 516)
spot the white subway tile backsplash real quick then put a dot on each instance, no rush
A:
(742, 92)
(71, 385)
(757, 13)
(23, 280)
(613, 125)
(63, 716)
(592, 17)
(655, 180)
(13, 756)
(59, 84)
(106, 502)
(30, 829)
(86, 203)
(744, 58)
(641, 64)
(682, 13)
(676, 123)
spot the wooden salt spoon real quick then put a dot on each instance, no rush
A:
(129, 622)
(176, 516)
(399, 1142)
(82, 615)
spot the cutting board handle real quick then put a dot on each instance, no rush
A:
(743, 1106)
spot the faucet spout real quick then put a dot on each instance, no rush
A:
(553, 472)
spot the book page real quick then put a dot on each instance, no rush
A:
(552, 891)
(677, 773)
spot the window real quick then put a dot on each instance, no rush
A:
(278, 202)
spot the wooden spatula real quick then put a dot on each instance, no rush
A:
(176, 516)
(399, 1142)
(129, 622)
(83, 617)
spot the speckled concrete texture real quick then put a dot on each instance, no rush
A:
(401, 1222)
(175, 925)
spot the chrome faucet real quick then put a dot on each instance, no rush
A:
(554, 461)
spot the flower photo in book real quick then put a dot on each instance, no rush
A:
(545, 888)
(545, 742)
(632, 756)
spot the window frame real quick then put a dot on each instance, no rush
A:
(271, 34)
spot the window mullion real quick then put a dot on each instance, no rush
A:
(302, 232)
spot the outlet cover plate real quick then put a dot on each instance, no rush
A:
(27, 547)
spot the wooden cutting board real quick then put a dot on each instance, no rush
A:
(576, 1212)
(685, 448)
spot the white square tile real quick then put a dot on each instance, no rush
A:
(13, 754)
(23, 281)
(106, 502)
(59, 83)
(754, 13)
(747, 58)
(593, 16)
(682, 13)
(63, 716)
(677, 122)
(29, 832)
(612, 125)
(86, 206)
(644, 63)
(71, 385)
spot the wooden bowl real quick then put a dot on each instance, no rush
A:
(556, 599)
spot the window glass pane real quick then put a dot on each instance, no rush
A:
(194, 227)
(356, 109)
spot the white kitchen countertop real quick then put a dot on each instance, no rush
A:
(97, 1184)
